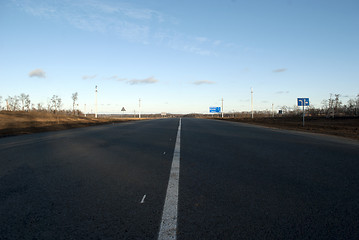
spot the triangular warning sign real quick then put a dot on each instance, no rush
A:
(123, 109)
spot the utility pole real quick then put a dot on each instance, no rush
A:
(222, 107)
(252, 101)
(96, 101)
(85, 110)
(273, 110)
(139, 108)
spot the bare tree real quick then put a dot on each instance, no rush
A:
(48, 105)
(0, 103)
(53, 103)
(39, 107)
(285, 109)
(325, 104)
(337, 102)
(22, 98)
(350, 108)
(331, 106)
(74, 99)
(56, 103)
(9, 101)
(27, 103)
(297, 110)
(13, 103)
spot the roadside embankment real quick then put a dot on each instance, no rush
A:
(341, 126)
(17, 123)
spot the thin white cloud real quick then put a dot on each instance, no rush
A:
(127, 10)
(116, 78)
(181, 42)
(124, 20)
(201, 39)
(37, 73)
(149, 80)
(282, 92)
(197, 50)
(279, 70)
(245, 70)
(88, 77)
(203, 82)
(217, 42)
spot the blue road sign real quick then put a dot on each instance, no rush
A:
(303, 102)
(214, 109)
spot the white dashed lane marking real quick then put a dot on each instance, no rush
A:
(168, 228)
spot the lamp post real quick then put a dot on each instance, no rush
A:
(222, 107)
(96, 101)
(252, 101)
(139, 108)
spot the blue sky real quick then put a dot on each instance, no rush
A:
(179, 56)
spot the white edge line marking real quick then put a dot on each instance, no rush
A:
(168, 228)
(143, 199)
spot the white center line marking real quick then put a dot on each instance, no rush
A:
(168, 228)
(143, 199)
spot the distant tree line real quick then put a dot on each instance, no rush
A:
(331, 107)
(23, 103)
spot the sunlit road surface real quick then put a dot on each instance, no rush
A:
(235, 181)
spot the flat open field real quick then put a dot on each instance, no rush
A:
(341, 126)
(17, 123)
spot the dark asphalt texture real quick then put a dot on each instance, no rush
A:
(236, 182)
(88, 184)
(243, 182)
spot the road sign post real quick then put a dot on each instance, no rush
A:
(303, 102)
(123, 110)
(214, 109)
(96, 101)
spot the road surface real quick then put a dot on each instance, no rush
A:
(235, 181)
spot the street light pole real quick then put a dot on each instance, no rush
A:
(96, 101)
(273, 110)
(222, 107)
(252, 101)
(139, 108)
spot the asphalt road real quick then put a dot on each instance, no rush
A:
(236, 181)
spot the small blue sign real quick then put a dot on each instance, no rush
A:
(214, 109)
(303, 102)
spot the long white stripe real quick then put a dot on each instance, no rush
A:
(168, 228)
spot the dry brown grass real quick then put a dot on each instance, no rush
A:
(16, 123)
(340, 126)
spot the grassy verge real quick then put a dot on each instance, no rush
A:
(17, 123)
(340, 126)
